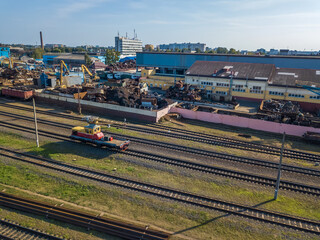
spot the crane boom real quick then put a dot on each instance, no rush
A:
(62, 66)
(85, 69)
(311, 89)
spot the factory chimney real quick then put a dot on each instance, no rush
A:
(41, 40)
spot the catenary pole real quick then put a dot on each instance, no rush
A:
(35, 121)
(279, 169)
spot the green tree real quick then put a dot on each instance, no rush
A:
(112, 56)
(232, 51)
(37, 53)
(222, 50)
(87, 59)
(57, 50)
(198, 50)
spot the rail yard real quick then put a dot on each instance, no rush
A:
(209, 181)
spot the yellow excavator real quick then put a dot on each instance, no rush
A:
(84, 70)
(66, 72)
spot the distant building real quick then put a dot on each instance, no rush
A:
(261, 51)
(273, 52)
(54, 45)
(244, 52)
(4, 52)
(181, 46)
(127, 46)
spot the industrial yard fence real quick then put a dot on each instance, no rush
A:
(105, 108)
(244, 122)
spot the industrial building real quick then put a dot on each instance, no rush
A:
(256, 82)
(181, 46)
(166, 68)
(127, 46)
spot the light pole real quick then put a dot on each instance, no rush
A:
(35, 121)
(279, 169)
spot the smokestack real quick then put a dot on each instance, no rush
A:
(41, 40)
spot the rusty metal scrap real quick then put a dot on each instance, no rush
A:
(185, 92)
(128, 64)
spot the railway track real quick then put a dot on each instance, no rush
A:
(245, 211)
(12, 231)
(92, 222)
(197, 137)
(195, 151)
(222, 141)
(243, 176)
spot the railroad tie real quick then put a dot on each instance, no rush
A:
(47, 212)
(142, 236)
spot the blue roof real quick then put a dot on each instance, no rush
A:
(127, 58)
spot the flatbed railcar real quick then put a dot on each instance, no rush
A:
(92, 133)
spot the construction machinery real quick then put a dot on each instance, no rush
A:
(63, 67)
(91, 76)
(92, 134)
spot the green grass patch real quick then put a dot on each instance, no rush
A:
(217, 187)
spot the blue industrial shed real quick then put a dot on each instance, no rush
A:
(4, 52)
(185, 60)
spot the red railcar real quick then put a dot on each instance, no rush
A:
(17, 93)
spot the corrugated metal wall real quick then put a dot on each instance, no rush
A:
(172, 60)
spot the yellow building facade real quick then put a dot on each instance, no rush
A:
(152, 79)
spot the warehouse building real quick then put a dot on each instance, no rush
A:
(256, 82)
(168, 67)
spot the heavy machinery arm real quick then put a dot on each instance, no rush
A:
(62, 66)
(85, 69)
(311, 89)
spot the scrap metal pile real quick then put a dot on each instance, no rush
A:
(286, 112)
(128, 64)
(185, 92)
(17, 77)
(126, 92)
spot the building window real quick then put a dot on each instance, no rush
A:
(221, 93)
(276, 93)
(207, 83)
(209, 91)
(238, 90)
(256, 91)
(295, 95)
(151, 85)
(315, 97)
(222, 84)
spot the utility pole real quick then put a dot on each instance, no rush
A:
(35, 121)
(79, 104)
(279, 169)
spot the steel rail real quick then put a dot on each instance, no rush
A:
(198, 137)
(252, 212)
(243, 176)
(195, 151)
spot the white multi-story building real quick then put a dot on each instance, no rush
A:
(128, 46)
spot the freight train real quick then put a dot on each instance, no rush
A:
(92, 133)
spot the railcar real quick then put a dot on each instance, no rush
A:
(17, 93)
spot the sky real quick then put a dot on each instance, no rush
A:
(242, 24)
